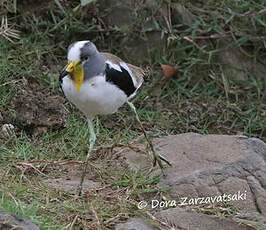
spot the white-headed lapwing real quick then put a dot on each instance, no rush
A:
(99, 83)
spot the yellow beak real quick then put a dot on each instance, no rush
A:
(77, 71)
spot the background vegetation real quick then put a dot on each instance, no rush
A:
(218, 48)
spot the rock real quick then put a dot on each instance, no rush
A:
(253, 216)
(181, 15)
(253, 219)
(119, 13)
(178, 218)
(138, 50)
(70, 185)
(182, 219)
(69, 178)
(134, 224)
(7, 130)
(131, 19)
(236, 64)
(259, 194)
(9, 221)
(211, 165)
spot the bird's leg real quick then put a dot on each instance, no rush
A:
(92, 141)
(157, 157)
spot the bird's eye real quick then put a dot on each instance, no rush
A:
(84, 58)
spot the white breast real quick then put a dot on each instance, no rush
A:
(96, 96)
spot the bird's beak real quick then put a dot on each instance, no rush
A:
(63, 74)
(76, 70)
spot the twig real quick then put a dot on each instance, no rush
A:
(160, 221)
(246, 14)
(13, 198)
(73, 222)
(52, 162)
(9, 226)
(118, 216)
(194, 43)
(212, 36)
(96, 216)
(31, 166)
(226, 88)
(226, 35)
(24, 166)
(7, 32)
(11, 82)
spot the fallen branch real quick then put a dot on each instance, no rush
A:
(9, 226)
(160, 221)
(26, 166)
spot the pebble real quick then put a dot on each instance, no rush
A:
(7, 130)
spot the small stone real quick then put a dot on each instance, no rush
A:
(11, 221)
(135, 224)
(70, 185)
(7, 130)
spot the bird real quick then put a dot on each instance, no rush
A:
(99, 83)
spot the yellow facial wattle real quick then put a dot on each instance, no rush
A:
(77, 71)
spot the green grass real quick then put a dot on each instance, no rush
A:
(202, 98)
(16, 200)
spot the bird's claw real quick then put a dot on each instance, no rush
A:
(158, 159)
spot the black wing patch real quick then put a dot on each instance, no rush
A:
(122, 79)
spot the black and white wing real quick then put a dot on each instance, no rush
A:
(125, 76)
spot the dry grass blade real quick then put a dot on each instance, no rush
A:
(226, 87)
(166, 225)
(96, 217)
(7, 32)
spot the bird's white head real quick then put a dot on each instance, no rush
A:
(78, 53)
(80, 50)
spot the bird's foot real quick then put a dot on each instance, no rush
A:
(158, 158)
(79, 190)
